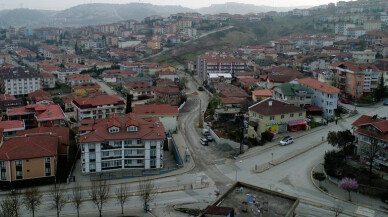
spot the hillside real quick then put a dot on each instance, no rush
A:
(243, 33)
(92, 14)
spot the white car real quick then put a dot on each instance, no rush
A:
(286, 140)
(203, 141)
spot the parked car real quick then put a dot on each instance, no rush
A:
(286, 140)
(203, 141)
(345, 101)
(205, 132)
(209, 138)
(385, 102)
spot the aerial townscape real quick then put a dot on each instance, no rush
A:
(228, 110)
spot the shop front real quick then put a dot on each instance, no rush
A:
(297, 125)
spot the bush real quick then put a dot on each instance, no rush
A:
(267, 136)
(333, 161)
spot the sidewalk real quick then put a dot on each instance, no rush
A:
(357, 198)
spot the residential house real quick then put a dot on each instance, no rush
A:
(275, 116)
(167, 75)
(121, 142)
(139, 89)
(77, 79)
(109, 79)
(48, 80)
(167, 94)
(39, 97)
(295, 94)
(9, 101)
(372, 130)
(227, 90)
(259, 95)
(11, 127)
(325, 96)
(38, 115)
(19, 81)
(366, 56)
(97, 107)
(82, 89)
(28, 160)
(326, 76)
(63, 72)
(282, 46)
(166, 113)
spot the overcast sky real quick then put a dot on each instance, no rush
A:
(63, 4)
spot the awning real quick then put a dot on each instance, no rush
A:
(313, 108)
(296, 123)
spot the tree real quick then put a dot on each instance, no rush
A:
(122, 196)
(99, 194)
(9, 207)
(341, 139)
(128, 108)
(332, 161)
(267, 136)
(348, 184)
(76, 197)
(57, 195)
(319, 176)
(32, 199)
(337, 210)
(147, 192)
(371, 153)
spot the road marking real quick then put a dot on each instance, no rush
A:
(365, 211)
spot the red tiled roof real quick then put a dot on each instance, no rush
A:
(148, 128)
(39, 93)
(262, 93)
(28, 147)
(78, 77)
(85, 85)
(379, 123)
(47, 75)
(321, 86)
(170, 89)
(355, 67)
(42, 111)
(62, 132)
(4, 97)
(98, 100)
(231, 100)
(277, 107)
(11, 125)
(156, 109)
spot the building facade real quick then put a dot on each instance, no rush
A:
(19, 81)
(121, 142)
(218, 63)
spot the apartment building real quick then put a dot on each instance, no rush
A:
(19, 81)
(366, 56)
(354, 79)
(324, 96)
(342, 28)
(295, 94)
(210, 63)
(98, 107)
(77, 79)
(28, 160)
(121, 142)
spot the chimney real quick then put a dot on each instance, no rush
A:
(270, 103)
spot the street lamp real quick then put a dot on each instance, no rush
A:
(272, 158)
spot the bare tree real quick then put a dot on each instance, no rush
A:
(371, 153)
(57, 195)
(337, 210)
(10, 206)
(76, 197)
(147, 192)
(32, 199)
(99, 194)
(122, 196)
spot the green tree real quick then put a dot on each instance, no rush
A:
(319, 176)
(332, 161)
(340, 139)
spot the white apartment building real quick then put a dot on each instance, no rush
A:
(97, 107)
(366, 56)
(121, 142)
(19, 81)
(325, 96)
(342, 28)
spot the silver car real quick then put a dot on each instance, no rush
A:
(287, 140)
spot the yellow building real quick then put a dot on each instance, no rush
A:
(28, 158)
(83, 89)
(153, 44)
(185, 23)
(276, 117)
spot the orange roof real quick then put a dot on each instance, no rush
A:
(11, 125)
(321, 86)
(98, 100)
(155, 109)
(262, 93)
(78, 77)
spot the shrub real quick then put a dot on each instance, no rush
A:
(267, 136)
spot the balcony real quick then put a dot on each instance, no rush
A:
(110, 157)
(134, 166)
(107, 147)
(111, 168)
(134, 146)
(134, 156)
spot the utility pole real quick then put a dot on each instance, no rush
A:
(200, 115)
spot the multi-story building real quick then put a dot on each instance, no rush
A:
(121, 142)
(9, 101)
(11, 127)
(100, 106)
(373, 25)
(139, 89)
(48, 80)
(168, 94)
(342, 28)
(371, 130)
(275, 116)
(77, 79)
(366, 56)
(70, 58)
(325, 96)
(295, 94)
(354, 79)
(38, 115)
(28, 159)
(210, 63)
(355, 32)
(19, 81)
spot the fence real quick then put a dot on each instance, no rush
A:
(175, 153)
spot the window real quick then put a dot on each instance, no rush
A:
(271, 118)
(92, 157)
(92, 147)
(3, 165)
(132, 129)
(291, 115)
(114, 130)
(47, 160)
(117, 153)
(261, 117)
(282, 116)
(300, 114)
(139, 151)
(92, 167)
(3, 175)
(18, 162)
(139, 161)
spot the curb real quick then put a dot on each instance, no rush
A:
(341, 199)
(269, 165)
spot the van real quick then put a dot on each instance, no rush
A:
(205, 132)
